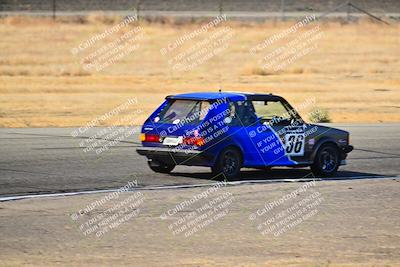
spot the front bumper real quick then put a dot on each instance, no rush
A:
(347, 149)
(176, 156)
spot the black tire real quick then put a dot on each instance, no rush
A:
(327, 161)
(228, 163)
(160, 167)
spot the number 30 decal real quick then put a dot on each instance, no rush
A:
(294, 144)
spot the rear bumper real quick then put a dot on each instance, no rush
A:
(176, 156)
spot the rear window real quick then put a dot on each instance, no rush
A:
(183, 111)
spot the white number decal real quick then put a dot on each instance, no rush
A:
(294, 144)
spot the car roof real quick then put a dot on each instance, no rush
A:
(234, 96)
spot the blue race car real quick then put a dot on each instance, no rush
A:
(227, 131)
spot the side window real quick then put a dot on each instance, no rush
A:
(271, 111)
(204, 108)
(241, 113)
(230, 117)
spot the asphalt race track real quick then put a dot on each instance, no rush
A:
(51, 160)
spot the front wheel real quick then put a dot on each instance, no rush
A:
(160, 167)
(326, 162)
(228, 163)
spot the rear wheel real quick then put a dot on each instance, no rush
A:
(160, 167)
(228, 163)
(326, 162)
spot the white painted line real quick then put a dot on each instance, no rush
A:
(55, 194)
(235, 183)
(161, 187)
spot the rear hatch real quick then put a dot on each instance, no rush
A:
(176, 124)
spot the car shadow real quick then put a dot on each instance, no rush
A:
(281, 173)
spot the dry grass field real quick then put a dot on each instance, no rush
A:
(354, 73)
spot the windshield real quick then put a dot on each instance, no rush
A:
(183, 111)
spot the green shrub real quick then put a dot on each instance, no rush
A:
(318, 114)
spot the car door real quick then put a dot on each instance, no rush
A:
(281, 137)
(261, 145)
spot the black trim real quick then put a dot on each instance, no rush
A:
(347, 149)
(176, 156)
(263, 97)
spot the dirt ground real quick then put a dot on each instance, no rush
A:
(356, 224)
(353, 73)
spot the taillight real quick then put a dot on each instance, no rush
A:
(197, 141)
(149, 138)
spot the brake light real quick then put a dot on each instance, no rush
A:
(149, 138)
(197, 141)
